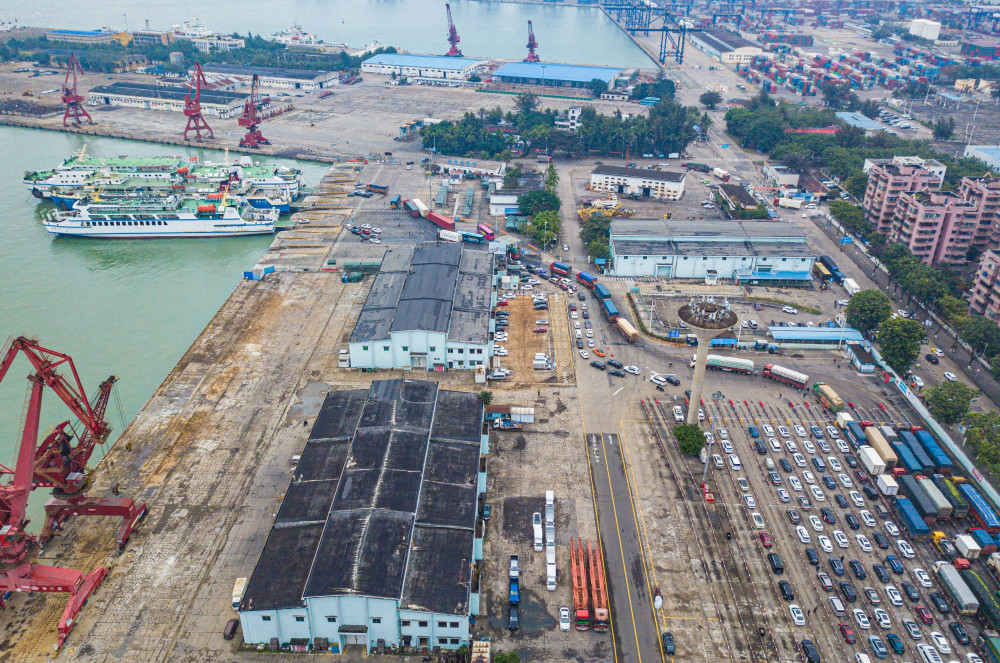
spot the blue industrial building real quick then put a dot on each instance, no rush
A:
(863, 122)
(424, 66)
(376, 541)
(554, 75)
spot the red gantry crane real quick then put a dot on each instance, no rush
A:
(192, 106)
(532, 45)
(578, 567)
(453, 37)
(71, 98)
(59, 464)
(251, 118)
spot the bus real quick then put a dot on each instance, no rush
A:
(821, 271)
(473, 238)
(486, 231)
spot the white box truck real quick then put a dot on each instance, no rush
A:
(536, 526)
(541, 364)
(852, 287)
(550, 576)
(887, 485)
(843, 419)
(871, 461)
(967, 546)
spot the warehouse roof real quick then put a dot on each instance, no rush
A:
(388, 510)
(731, 39)
(858, 120)
(168, 92)
(641, 173)
(422, 61)
(270, 72)
(816, 334)
(738, 195)
(720, 42)
(692, 229)
(556, 72)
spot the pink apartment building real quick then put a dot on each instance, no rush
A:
(888, 178)
(985, 299)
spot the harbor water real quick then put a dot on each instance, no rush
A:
(574, 34)
(127, 307)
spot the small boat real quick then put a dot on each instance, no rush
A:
(277, 200)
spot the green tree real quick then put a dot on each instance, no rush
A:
(598, 249)
(507, 657)
(953, 309)
(943, 129)
(475, 78)
(526, 102)
(691, 439)
(899, 342)
(856, 183)
(710, 99)
(512, 177)
(486, 397)
(982, 334)
(867, 310)
(544, 227)
(982, 435)
(551, 178)
(850, 216)
(534, 202)
(949, 401)
(597, 87)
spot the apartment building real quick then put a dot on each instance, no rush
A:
(936, 227)
(888, 178)
(986, 194)
(985, 299)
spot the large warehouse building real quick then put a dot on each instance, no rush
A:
(554, 75)
(661, 184)
(375, 541)
(165, 97)
(428, 308)
(771, 252)
(305, 80)
(424, 66)
(725, 46)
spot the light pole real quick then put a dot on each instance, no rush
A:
(543, 79)
(708, 458)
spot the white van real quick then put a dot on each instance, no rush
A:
(768, 463)
(928, 653)
(734, 462)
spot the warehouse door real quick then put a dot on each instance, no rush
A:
(418, 361)
(646, 190)
(356, 639)
(663, 271)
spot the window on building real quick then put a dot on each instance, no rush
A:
(433, 349)
(300, 618)
(454, 641)
(406, 348)
(364, 347)
(422, 624)
(454, 624)
(461, 351)
(331, 619)
(385, 348)
(442, 641)
(376, 620)
(405, 622)
(265, 618)
(442, 624)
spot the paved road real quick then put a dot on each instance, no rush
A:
(636, 636)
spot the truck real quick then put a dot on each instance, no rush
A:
(910, 519)
(721, 174)
(989, 608)
(727, 364)
(515, 593)
(851, 286)
(550, 576)
(581, 598)
(442, 221)
(959, 505)
(541, 365)
(505, 424)
(944, 546)
(828, 397)
(411, 209)
(560, 268)
(626, 329)
(700, 167)
(910, 487)
(965, 601)
(843, 418)
(598, 590)
(887, 485)
(791, 203)
(514, 568)
(923, 460)
(967, 546)
(481, 652)
(352, 277)
(979, 509)
(239, 587)
(421, 208)
(988, 644)
(906, 459)
(889, 433)
(395, 201)
(855, 433)
(586, 279)
(993, 561)
(610, 310)
(601, 292)
(942, 504)
(942, 463)
(536, 527)
(785, 376)
(870, 460)
(881, 447)
(377, 188)
(984, 539)
(449, 236)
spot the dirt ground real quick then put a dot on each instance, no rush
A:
(524, 343)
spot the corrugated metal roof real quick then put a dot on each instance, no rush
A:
(827, 334)
(422, 61)
(556, 72)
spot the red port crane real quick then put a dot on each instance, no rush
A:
(61, 465)
(192, 106)
(453, 37)
(251, 118)
(532, 45)
(71, 97)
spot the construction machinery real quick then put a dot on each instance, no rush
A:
(598, 590)
(453, 37)
(532, 45)
(581, 601)
(251, 118)
(192, 106)
(59, 464)
(71, 97)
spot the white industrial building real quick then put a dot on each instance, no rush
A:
(921, 27)
(779, 175)
(763, 252)
(165, 97)
(424, 66)
(726, 47)
(661, 184)
(305, 80)
(218, 43)
(428, 309)
(375, 544)
(988, 154)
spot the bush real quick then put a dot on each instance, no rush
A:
(690, 439)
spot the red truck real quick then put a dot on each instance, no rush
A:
(441, 220)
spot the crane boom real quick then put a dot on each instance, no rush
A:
(192, 106)
(71, 97)
(532, 45)
(453, 37)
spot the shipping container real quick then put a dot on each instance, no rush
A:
(911, 520)
(843, 418)
(610, 310)
(586, 279)
(442, 221)
(889, 433)
(855, 433)
(870, 460)
(959, 505)
(980, 509)
(887, 485)
(449, 236)
(964, 600)
(601, 292)
(560, 268)
(906, 458)
(942, 504)
(989, 607)
(881, 447)
(626, 329)
(921, 502)
(421, 207)
(411, 208)
(923, 460)
(828, 397)
(727, 364)
(967, 545)
(942, 463)
(986, 542)
(785, 376)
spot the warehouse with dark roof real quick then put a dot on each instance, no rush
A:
(428, 308)
(375, 542)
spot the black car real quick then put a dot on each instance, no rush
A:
(911, 591)
(785, 588)
(857, 569)
(851, 461)
(827, 514)
(829, 482)
(882, 573)
(812, 556)
(881, 511)
(836, 566)
(615, 372)
(848, 592)
(870, 492)
(881, 540)
(840, 500)
(672, 380)
(810, 652)
(668, 644)
(599, 365)
(960, 633)
(615, 363)
(232, 626)
(785, 465)
(761, 449)
(940, 603)
(932, 359)
(581, 296)
(852, 521)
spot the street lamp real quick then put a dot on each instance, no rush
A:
(708, 457)
(543, 79)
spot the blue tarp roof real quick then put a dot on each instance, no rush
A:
(556, 72)
(776, 276)
(422, 61)
(829, 334)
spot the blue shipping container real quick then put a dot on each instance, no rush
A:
(906, 459)
(910, 519)
(925, 462)
(937, 455)
(602, 292)
(610, 310)
(980, 509)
